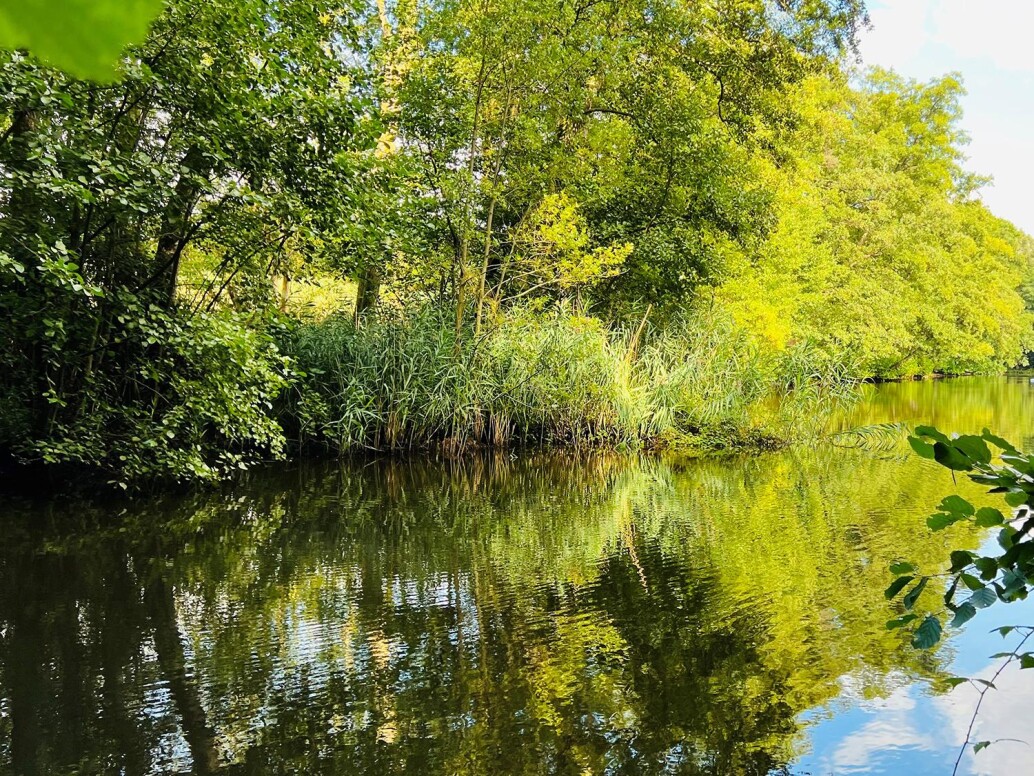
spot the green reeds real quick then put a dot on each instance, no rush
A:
(558, 379)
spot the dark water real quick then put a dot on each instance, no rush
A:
(531, 615)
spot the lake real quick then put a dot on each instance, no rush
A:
(512, 614)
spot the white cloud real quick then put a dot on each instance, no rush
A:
(994, 30)
(898, 34)
(893, 730)
(1005, 713)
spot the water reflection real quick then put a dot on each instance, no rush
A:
(540, 615)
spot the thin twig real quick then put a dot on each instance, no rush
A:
(976, 711)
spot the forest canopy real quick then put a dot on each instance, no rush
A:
(398, 223)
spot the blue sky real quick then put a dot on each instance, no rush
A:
(989, 42)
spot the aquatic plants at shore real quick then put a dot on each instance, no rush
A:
(563, 378)
(195, 398)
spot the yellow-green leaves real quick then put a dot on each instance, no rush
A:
(83, 37)
(878, 248)
(554, 248)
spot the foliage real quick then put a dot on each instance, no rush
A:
(560, 378)
(83, 37)
(881, 249)
(225, 137)
(974, 580)
(164, 396)
(509, 103)
(731, 215)
(984, 580)
(551, 249)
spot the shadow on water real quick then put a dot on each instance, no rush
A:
(546, 614)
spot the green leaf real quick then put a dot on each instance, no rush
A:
(83, 37)
(913, 595)
(903, 620)
(971, 582)
(997, 441)
(902, 568)
(948, 456)
(949, 594)
(955, 681)
(1006, 537)
(1005, 630)
(927, 634)
(960, 559)
(980, 745)
(1014, 581)
(940, 520)
(988, 567)
(923, 449)
(1016, 497)
(974, 447)
(963, 614)
(983, 598)
(931, 433)
(956, 505)
(988, 516)
(1027, 660)
(897, 586)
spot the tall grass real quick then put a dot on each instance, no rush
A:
(400, 382)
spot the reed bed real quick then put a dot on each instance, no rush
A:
(563, 379)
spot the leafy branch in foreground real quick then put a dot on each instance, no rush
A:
(84, 39)
(975, 581)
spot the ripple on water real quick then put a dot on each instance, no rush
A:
(534, 615)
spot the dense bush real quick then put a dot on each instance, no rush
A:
(112, 381)
(213, 142)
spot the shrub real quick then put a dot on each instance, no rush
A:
(115, 383)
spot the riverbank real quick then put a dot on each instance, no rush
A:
(220, 394)
(197, 399)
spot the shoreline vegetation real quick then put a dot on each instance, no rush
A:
(315, 228)
(552, 379)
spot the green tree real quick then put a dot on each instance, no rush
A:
(881, 249)
(226, 136)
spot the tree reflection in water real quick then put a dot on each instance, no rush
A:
(540, 615)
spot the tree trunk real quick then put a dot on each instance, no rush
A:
(176, 223)
(369, 291)
(484, 268)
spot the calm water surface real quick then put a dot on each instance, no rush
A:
(530, 615)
